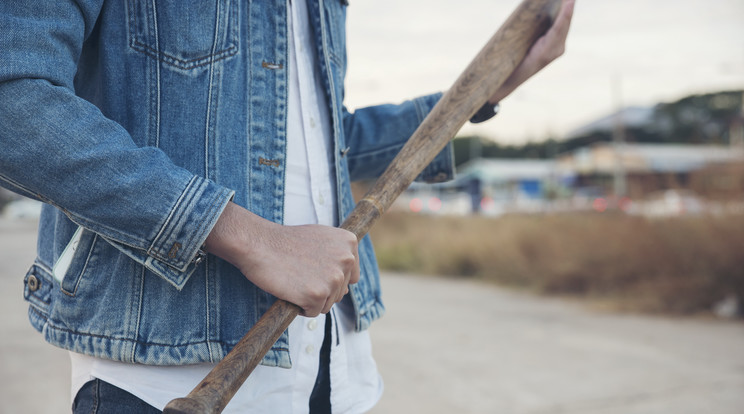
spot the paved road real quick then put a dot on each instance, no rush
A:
(455, 346)
(465, 347)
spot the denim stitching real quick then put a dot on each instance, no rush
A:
(202, 227)
(206, 160)
(154, 250)
(211, 86)
(24, 188)
(51, 325)
(207, 307)
(158, 82)
(336, 36)
(37, 310)
(96, 396)
(43, 267)
(337, 60)
(376, 152)
(178, 262)
(232, 50)
(139, 314)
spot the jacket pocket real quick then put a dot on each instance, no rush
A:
(185, 35)
(75, 259)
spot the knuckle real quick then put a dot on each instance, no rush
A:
(311, 308)
(348, 259)
(317, 293)
(351, 239)
(339, 278)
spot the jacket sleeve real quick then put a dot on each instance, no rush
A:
(376, 134)
(59, 148)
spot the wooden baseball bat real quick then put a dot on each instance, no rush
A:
(480, 80)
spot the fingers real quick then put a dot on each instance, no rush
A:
(354, 278)
(321, 297)
(334, 293)
(351, 275)
(310, 265)
(327, 306)
(565, 15)
(559, 31)
(563, 23)
(552, 44)
(343, 270)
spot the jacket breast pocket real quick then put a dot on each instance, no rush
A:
(184, 34)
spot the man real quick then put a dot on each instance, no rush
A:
(194, 158)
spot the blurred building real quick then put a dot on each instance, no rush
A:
(511, 179)
(490, 186)
(650, 168)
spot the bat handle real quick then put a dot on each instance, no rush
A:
(223, 381)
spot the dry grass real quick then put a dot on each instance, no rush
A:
(680, 265)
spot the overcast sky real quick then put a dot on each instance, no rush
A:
(656, 50)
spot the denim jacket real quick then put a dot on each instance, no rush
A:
(137, 121)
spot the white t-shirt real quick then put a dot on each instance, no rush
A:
(356, 385)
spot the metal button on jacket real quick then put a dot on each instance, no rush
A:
(33, 283)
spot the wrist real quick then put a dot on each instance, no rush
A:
(230, 238)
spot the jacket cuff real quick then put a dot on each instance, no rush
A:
(173, 252)
(441, 169)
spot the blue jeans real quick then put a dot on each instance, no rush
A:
(98, 396)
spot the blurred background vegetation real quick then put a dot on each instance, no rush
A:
(678, 265)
